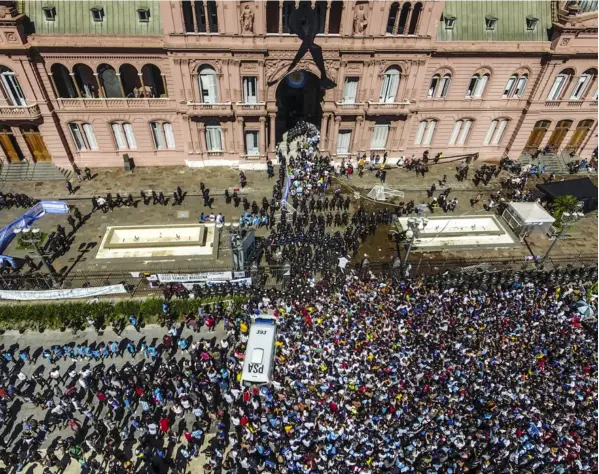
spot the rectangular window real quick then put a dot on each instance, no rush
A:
(430, 131)
(499, 132)
(491, 23)
(580, 87)
(119, 136)
(129, 135)
(343, 142)
(159, 142)
(464, 133)
(251, 144)
(519, 92)
(169, 135)
(444, 86)
(433, 86)
(389, 88)
(490, 132)
(449, 23)
(508, 87)
(250, 95)
(97, 13)
(455, 132)
(420, 133)
(77, 134)
(350, 90)
(473, 82)
(49, 13)
(13, 89)
(480, 87)
(143, 15)
(379, 137)
(556, 88)
(214, 140)
(91, 138)
(208, 86)
(531, 23)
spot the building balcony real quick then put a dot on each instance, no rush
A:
(250, 110)
(356, 108)
(10, 112)
(383, 108)
(210, 110)
(115, 103)
(569, 104)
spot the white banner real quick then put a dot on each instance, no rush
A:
(183, 277)
(62, 294)
(242, 281)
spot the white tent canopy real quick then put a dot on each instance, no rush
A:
(523, 217)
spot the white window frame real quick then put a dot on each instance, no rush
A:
(495, 133)
(425, 132)
(350, 90)
(596, 94)
(460, 131)
(83, 136)
(481, 85)
(12, 88)
(558, 86)
(472, 85)
(208, 86)
(390, 86)
(252, 149)
(521, 86)
(344, 142)
(509, 87)
(214, 138)
(250, 90)
(581, 86)
(162, 135)
(443, 86)
(124, 136)
(432, 90)
(380, 136)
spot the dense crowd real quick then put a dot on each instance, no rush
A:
(370, 376)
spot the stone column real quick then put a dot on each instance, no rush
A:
(241, 136)
(408, 19)
(193, 16)
(72, 74)
(143, 86)
(202, 131)
(53, 84)
(281, 17)
(101, 92)
(323, 132)
(357, 134)
(163, 76)
(194, 85)
(186, 129)
(397, 15)
(335, 136)
(205, 7)
(262, 135)
(118, 74)
(326, 18)
(272, 128)
(341, 83)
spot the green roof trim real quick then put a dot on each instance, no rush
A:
(511, 24)
(74, 18)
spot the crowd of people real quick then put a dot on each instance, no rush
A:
(370, 376)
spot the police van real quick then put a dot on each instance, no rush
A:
(260, 352)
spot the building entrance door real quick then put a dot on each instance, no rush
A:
(582, 130)
(536, 136)
(557, 137)
(36, 144)
(299, 97)
(9, 145)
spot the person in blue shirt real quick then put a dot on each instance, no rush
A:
(114, 348)
(131, 348)
(133, 321)
(202, 218)
(183, 344)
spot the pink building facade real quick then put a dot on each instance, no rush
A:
(205, 83)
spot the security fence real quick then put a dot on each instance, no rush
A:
(143, 282)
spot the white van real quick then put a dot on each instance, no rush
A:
(260, 352)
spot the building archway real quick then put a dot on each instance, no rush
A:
(299, 97)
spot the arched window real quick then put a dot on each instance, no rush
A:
(477, 85)
(425, 132)
(459, 135)
(559, 84)
(110, 82)
(9, 145)
(130, 80)
(537, 135)
(393, 17)
(390, 85)
(583, 84)
(124, 137)
(64, 84)
(86, 81)
(208, 89)
(582, 130)
(414, 20)
(403, 19)
(495, 132)
(11, 87)
(153, 81)
(214, 138)
(439, 86)
(163, 136)
(83, 136)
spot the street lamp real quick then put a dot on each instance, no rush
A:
(219, 229)
(568, 219)
(33, 236)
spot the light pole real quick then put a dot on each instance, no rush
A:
(33, 236)
(568, 219)
(219, 229)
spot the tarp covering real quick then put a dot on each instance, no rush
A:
(582, 189)
(531, 213)
(62, 294)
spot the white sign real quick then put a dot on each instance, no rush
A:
(62, 294)
(183, 277)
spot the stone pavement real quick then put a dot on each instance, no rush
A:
(217, 179)
(36, 342)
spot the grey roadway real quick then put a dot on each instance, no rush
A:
(36, 342)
